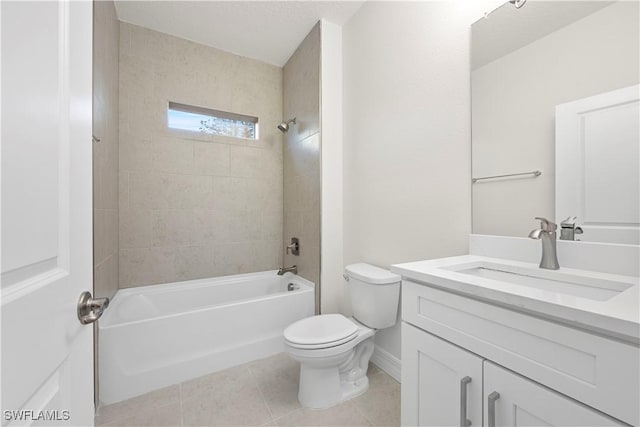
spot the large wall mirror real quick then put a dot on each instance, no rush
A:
(555, 106)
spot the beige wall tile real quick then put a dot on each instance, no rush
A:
(302, 86)
(213, 205)
(105, 152)
(179, 227)
(135, 228)
(173, 155)
(123, 191)
(234, 258)
(246, 162)
(105, 275)
(135, 153)
(194, 262)
(211, 158)
(301, 161)
(148, 266)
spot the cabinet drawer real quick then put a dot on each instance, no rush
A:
(600, 372)
(520, 402)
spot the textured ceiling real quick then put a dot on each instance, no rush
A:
(507, 28)
(269, 31)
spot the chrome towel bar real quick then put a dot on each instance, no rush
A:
(534, 173)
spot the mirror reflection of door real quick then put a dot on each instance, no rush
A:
(525, 62)
(598, 165)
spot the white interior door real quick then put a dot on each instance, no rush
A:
(47, 371)
(598, 165)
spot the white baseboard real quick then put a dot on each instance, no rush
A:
(387, 362)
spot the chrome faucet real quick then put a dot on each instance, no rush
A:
(568, 229)
(293, 269)
(547, 234)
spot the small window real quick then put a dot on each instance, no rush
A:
(214, 122)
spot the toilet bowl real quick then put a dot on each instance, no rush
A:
(334, 354)
(333, 350)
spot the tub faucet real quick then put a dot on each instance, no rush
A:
(547, 235)
(293, 269)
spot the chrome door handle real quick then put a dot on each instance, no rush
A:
(90, 309)
(491, 406)
(464, 421)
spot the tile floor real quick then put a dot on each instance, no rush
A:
(260, 393)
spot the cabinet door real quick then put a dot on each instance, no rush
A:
(441, 383)
(513, 400)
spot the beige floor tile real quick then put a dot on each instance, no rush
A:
(164, 416)
(381, 403)
(373, 369)
(227, 398)
(278, 378)
(129, 408)
(205, 384)
(342, 415)
(260, 393)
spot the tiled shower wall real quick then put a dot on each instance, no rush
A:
(195, 205)
(302, 156)
(105, 152)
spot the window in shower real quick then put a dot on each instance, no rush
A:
(213, 122)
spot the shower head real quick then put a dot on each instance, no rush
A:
(284, 126)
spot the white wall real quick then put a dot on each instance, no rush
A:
(514, 99)
(331, 166)
(406, 135)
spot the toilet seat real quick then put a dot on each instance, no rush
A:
(323, 331)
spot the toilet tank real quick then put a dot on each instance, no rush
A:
(374, 295)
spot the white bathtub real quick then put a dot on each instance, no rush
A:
(154, 336)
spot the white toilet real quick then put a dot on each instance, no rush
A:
(333, 350)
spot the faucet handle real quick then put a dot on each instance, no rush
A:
(547, 225)
(569, 222)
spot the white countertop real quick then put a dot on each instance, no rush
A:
(617, 317)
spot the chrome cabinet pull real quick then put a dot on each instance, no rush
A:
(464, 421)
(491, 406)
(90, 309)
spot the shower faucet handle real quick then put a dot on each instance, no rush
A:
(294, 247)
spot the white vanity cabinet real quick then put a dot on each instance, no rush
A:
(545, 373)
(441, 383)
(512, 400)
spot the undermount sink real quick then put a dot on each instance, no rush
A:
(567, 283)
(600, 302)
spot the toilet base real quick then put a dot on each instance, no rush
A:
(323, 385)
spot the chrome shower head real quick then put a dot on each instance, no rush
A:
(284, 126)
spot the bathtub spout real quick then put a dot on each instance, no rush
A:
(293, 269)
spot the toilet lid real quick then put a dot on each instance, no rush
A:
(325, 330)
